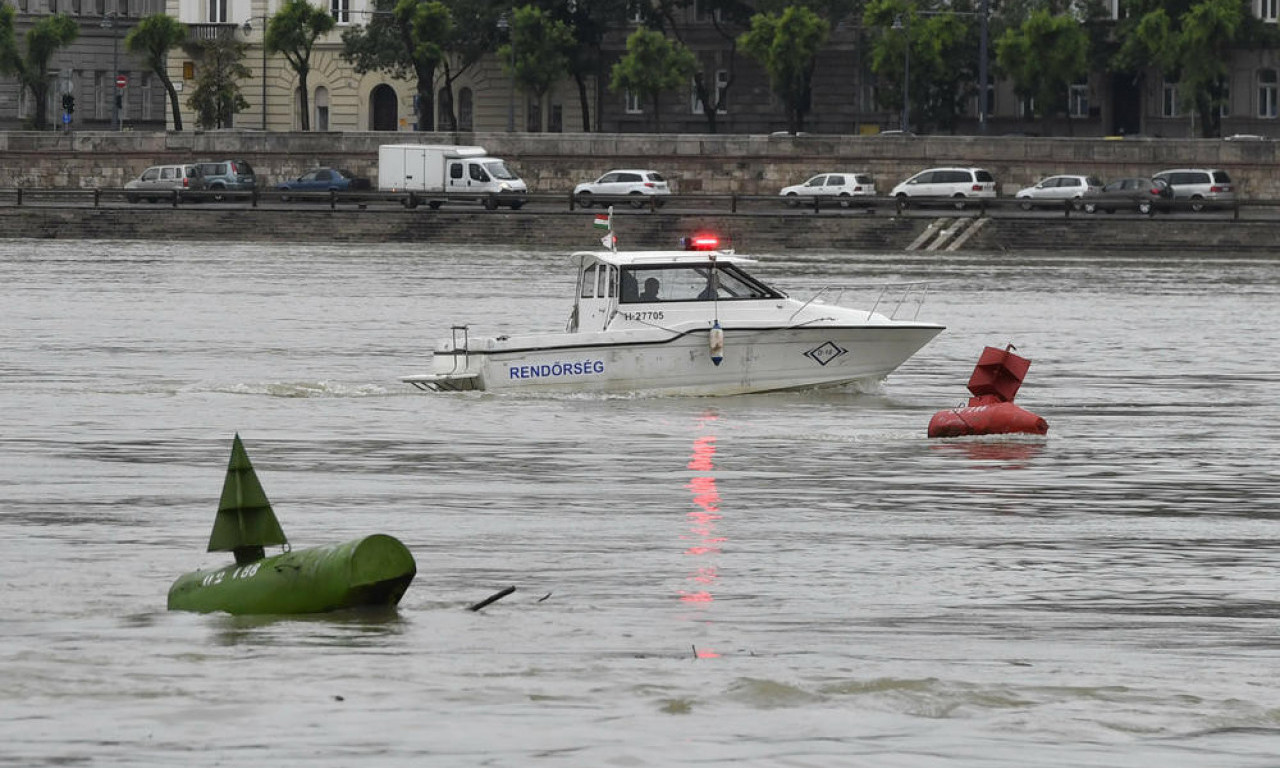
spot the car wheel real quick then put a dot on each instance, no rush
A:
(584, 200)
(516, 205)
(491, 203)
(1090, 208)
(844, 199)
(1144, 208)
(1024, 206)
(131, 198)
(434, 205)
(792, 200)
(284, 197)
(959, 202)
(1197, 203)
(637, 200)
(219, 194)
(902, 200)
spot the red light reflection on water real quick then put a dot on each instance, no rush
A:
(702, 535)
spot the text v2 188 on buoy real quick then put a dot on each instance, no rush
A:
(370, 571)
(994, 383)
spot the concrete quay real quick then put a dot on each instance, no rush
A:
(696, 163)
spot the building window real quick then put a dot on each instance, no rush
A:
(1267, 93)
(555, 121)
(1224, 107)
(1269, 10)
(466, 111)
(1078, 100)
(218, 11)
(102, 90)
(341, 10)
(147, 96)
(1027, 107)
(1169, 100)
(633, 103)
(322, 109)
(533, 111)
(722, 82)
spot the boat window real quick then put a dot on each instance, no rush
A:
(589, 282)
(611, 281)
(694, 282)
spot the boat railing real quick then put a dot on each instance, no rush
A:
(466, 347)
(902, 296)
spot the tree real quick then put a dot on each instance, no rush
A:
(472, 36)
(1044, 57)
(729, 19)
(293, 31)
(787, 46)
(408, 42)
(152, 40)
(44, 39)
(216, 98)
(589, 22)
(537, 55)
(652, 65)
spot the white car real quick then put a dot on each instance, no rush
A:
(612, 186)
(1054, 189)
(835, 185)
(959, 183)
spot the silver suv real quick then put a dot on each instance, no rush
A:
(960, 183)
(159, 181)
(634, 184)
(223, 176)
(1203, 187)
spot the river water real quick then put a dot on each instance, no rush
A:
(792, 579)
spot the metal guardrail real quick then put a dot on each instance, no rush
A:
(683, 203)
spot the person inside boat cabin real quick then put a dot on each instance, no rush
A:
(650, 292)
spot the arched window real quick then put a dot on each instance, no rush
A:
(384, 108)
(1267, 86)
(321, 108)
(466, 117)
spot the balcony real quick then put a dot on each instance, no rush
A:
(211, 31)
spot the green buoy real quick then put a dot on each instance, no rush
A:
(370, 571)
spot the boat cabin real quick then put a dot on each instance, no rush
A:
(608, 280)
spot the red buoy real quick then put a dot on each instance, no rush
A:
(994, 383)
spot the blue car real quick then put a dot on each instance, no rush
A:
(323, 180)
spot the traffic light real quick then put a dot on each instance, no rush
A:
(68, 103)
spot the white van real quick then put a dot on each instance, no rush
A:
(947, 183)
(441, 172)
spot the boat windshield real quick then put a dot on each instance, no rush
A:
(691, 282)
(498, 170)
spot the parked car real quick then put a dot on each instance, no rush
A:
(324, 180)
(1203, 187)
(1141, 193)
(1053, 190)
(959, 183)
(159, 181)
(224, 176)
(635, 183)
(834, 185)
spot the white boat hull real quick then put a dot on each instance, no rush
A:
(755, 360)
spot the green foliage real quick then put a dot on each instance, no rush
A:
(216, 97)
(651, 66)
(1190, 42)
(787, 46)
(43, 39)
(538, 54)
(729, 19)
(1044, 57)
(152, 40)
(293, 31)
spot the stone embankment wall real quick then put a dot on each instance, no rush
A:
(697, 164)
(762, 233)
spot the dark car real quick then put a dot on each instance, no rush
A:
(324, 180)
(1142, 194)
(223, 176)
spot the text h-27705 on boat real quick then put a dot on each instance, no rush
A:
(686, 322)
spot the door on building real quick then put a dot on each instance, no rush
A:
(1126, 104)
(384, 109)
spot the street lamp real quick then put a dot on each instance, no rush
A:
(505, 26)
(904, 23)
(248, 27)
(109, 22)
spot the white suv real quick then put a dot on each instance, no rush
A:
(947, 183)
(838, 185)
(1201, 186)
(634, 184)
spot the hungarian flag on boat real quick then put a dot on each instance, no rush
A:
(602, 221)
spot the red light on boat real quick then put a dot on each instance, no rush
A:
(701, 243)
